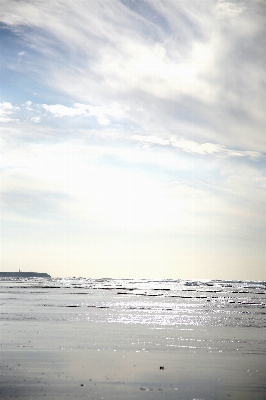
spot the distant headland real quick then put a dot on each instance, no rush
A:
(24, 275)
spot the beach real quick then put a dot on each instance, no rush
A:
(131, 340)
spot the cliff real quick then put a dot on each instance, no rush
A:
(24, 275)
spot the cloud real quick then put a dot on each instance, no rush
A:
(151, 139)
(192, 147)
(36, 120)
(183, 63)
(7, 109)
(101, 113)
(59, 110)
(111, 184)
(230, 9)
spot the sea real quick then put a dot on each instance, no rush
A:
(236, 304)
(204, 339)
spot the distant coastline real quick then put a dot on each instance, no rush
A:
(24, 275)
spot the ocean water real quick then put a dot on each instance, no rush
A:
(235, 304)
(208, 336)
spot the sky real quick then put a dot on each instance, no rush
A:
(133, 138)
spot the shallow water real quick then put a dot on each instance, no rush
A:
(159, 303)
(115, 334)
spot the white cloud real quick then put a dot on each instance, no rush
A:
(151, 139)
(193, 147)
(36, 120)
(59, 110)
(7, 109)
(229, 9)
(133, 199)
(191, 64)
(196, 148)
(103, 112)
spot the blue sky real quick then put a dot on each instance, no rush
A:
(133, 138)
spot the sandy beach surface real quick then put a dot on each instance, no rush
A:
(55, 347)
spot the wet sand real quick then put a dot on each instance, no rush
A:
(121, 361)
